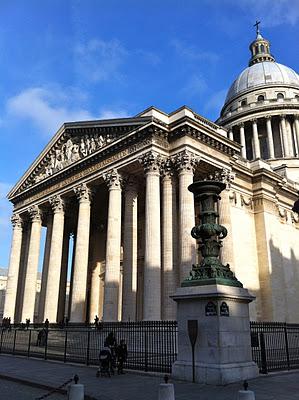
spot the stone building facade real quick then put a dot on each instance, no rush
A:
(118, 188)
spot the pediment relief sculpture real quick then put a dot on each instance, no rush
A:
(70, 151)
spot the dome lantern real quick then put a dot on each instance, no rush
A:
(260, 48)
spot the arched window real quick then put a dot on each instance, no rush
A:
(262, 48)
(243, 102)
(280, 96)
(256, 49)
(297, 97)
(261, 97)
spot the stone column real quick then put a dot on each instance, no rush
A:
(284, 135)
(256, 141)
(296, 130)
(79, 284)
(63, 274)
(54, 270)
(230, 134)
(242, 140)
(270, 137)
(169, 242)
(130, 251)
(94, 291)
(227, 251)
(185, 163)
(32, 264)
(42, 295)
(112, 274)
(289, 137)
(152, 255)
(14, 266)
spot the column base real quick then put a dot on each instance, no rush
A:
(214, 374)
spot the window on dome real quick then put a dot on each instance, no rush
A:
(261, 97)
(262, 48)
(297, 97)
(256, 49)
(243, 102)
(280, 96)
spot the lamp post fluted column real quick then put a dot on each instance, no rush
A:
(112, 269)
(14, 266)
(79, 282)
(32, 264)
(55, 258)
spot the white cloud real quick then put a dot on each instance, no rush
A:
(190, 51)
(100, 60)
(46, 108)
(271, 12)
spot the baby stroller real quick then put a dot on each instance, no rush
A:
(105, 363)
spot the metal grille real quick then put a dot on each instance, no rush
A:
(152, 345)
(275, 345)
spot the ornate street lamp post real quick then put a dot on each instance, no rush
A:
(210, 270)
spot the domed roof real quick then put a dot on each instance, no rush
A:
(262, 74)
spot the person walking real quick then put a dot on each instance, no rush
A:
(122, 355)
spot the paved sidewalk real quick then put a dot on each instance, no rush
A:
(131, 386)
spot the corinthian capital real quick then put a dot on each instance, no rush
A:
(151, 162)
(227, 176)
(16, 221)
(35, 213)
(167, 168)
(57, 204)
(113, 179)
(83, 193)
(185, 161)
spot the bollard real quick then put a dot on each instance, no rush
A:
(246, 395)
(76, 391)
(166, 390)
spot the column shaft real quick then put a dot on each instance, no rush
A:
(256, 142)
(169, 246)
(42, 296)
(52, 290)
(289, 138)
(152, 256)
(243, 141)
(270, 138)
(112, 274)
(230, 134)
(63, 276)
(14, 267)
(79, 284)
(296, 129)
(94, 291)
(130, 253)
(284, 136)
(32, 265)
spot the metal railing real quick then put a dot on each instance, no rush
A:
(152, 345)
(275, 345)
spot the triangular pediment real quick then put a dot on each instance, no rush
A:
(74, 142)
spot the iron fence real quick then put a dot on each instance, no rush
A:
(152, 345)
(275, 345)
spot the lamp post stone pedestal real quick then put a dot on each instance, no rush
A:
(213, 297)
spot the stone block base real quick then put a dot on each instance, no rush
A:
(215, 374)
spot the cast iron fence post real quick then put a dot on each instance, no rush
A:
(145, 352)
(14, 342)
(46, 343)
(287, 345)
(65, 346)
(88, 346)
(263, 354)
(1, 340)
(29, 344)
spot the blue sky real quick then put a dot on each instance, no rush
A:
(64, 60)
